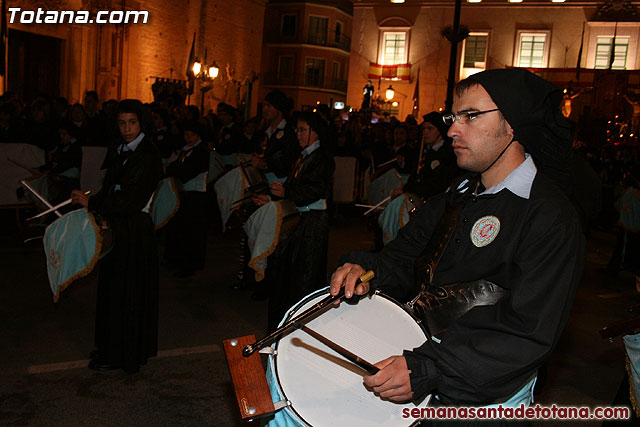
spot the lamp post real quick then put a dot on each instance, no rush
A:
(205, 74)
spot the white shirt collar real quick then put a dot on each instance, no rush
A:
(436, 146)
(310, 149)
(188, 147)
(519, 181)
(133, 144)
(281, 125)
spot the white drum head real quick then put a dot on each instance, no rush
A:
(326, 389)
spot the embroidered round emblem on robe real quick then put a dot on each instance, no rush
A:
(279, 134)
(485, 230)
(435, 164)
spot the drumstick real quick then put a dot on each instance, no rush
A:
(356, 360)
(34, 171)
(388, 162)
(296, 322)
(386, 199)
(58, 206)
(38, 195)
(368, 206)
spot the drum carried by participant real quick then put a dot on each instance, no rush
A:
(313, 345)
(397, 214)
(264, 228)
(73, 244)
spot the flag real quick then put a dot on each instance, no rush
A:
(580, 54)
(192, 57)
(416, 96)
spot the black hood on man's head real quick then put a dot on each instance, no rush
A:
(531, 106)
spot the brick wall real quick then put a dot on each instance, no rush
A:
(231, 32)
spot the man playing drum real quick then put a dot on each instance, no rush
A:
(514, 233)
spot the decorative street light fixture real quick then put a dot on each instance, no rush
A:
(205, 75)
(390, 93)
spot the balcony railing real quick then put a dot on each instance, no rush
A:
(331, 39)
(305, 80)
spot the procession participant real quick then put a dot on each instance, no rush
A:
(229, 138)
(299, 264)
(438, 162)
(282, 148)
(63, 167)
(186, 240)
(127, 298)
(514, 228)
(406, 156)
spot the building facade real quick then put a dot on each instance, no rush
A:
(123, 61)
(306, 50)
(392, 43)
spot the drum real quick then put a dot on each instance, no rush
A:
(265, 228)
(320, 386)
(164, 203)
(73, 244)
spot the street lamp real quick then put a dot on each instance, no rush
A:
(205, 75)
(390, 93)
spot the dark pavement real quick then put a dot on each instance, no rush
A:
(44, 380)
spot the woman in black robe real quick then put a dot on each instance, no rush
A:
(127, 298)
(298, 266)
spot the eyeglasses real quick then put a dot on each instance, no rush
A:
(300, 130)
(463, 118)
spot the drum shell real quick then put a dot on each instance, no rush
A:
(348, 406)
(290, 219)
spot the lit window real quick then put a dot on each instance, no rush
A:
(532, 50)
(474, 57)
(603, 52)
(394, 48)
(475, 50)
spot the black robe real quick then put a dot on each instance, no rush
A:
(282, 151)
(127, 297)
(298, 266)
(186, 232)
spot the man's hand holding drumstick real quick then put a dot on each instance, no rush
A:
(347, 275)
(392, 382)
